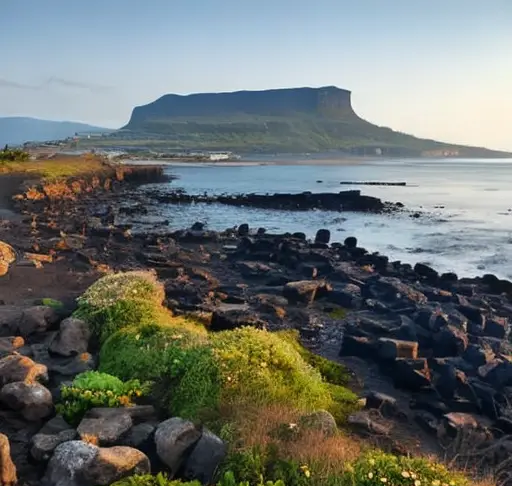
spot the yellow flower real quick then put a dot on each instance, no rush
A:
(436, 482)
(370, 475)
(452, 483)
(406, 474)
(417, 482)
(306, 471)
(372, 462)
(383, 480)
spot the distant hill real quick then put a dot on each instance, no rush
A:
(18, 130)
(278, 120)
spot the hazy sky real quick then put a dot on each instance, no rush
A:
(434, 68)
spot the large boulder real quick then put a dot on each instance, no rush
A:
(391, 349)
(115, 463)
(37, 319)
(20, 368)
(174, 438)
(43, 445)
(319, 421)
(450, 341)
(77, 463)
(303, 291)
(205, 458)
(411, 374)
(106, 430)
(394, 290)
(7, 468)
(72, 338)
(33, 401)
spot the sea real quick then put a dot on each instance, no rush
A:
(466, 206)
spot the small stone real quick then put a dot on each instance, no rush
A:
(107, 431)
(33, 401)
(205, 458)
(173, 438)
(20, 368)
(72, 338)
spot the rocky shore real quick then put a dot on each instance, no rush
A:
(430, 354)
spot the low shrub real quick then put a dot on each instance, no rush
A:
(122, 300)
(378, 469)
(332, 372)
(177, 361)
(156, 480)
(94, 389)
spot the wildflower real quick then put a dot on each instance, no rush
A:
(413, 476)
(383, 480)
(292, 426)
(306, 471)
(370, 475)
(417, 482)
(406, 474)
(452, 483)
(372, 462)
(436, 482)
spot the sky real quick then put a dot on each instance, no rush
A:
(434, 68)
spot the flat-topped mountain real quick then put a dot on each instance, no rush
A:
(277, 120)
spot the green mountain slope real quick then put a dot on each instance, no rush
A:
(282, 120)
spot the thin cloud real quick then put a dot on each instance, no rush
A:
(7, 83)
(55, 82)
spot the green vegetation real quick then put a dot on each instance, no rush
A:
(93, 389)
(54, 304)
(254, 388)
(157, 480)
(12, 155)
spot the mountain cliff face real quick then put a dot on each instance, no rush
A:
(277, 120)
(329, 102)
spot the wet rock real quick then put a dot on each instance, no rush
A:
(478, 355)
(320, 421)
(10, 344)
(243, 230)
(43, 445)
(392, 289)
(115, 463)
(497, 327)
(411, 374)
(8, 475)
(497, 373)
(323, 236)
(350, 242)
(391, 349)
(72, 338)
(428, 273)
(386, 404)
(348, 296)
(250, 269)
(474, 314)
(431, 320)
(16, 367)
(33, 401)
(107, 430)
(303, 291)
(359, 346)
(450, 341)
(36, 320)
(174, 438)
(204, 459)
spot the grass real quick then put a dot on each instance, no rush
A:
(58, 168)
(254, 388)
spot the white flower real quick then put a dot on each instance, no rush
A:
(436, 482)
(406, 474)
(417, 482)
(383, 480)
(370, 475)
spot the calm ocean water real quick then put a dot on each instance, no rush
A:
(467, 229)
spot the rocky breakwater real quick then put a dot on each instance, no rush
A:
(304, 201)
